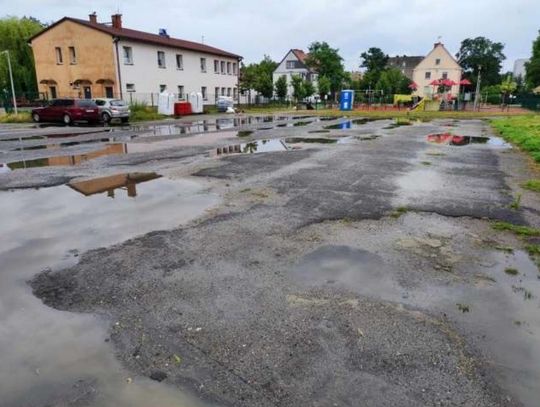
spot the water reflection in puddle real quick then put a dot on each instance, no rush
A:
(457, 140)
(349, 124)
(59, 358)
(257, 146)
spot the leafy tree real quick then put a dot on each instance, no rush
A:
(532, 68)
(298, 87)
(248, 76)
(507, 86)
(14, 35)
(309, 88)
(264, 83)
(327, 62)
(374, 60)
(324, 86)
(281, 87)
(480, 51)
(392, 81)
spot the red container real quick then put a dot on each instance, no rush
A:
(182, 109)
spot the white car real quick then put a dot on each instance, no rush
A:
(113, 109)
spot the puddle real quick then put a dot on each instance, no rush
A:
(69, 160)
(457, 140)
(319, 131)
(316, 140)
(349, 124)
(51, 357)
(111, 183)
(299, 124)
(257, 146)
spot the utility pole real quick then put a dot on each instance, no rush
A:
(477, 94)
(11, 80)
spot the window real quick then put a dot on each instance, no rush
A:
(128, 56)
(235, 93)
(234, 68)
(72, 56)
(445, 75)
(293, 65)
(222, 91)
(161, 59)
(52, 89)
(228, 68)
(162, 88)
(59, 59)
(180, 92)
(130, 87)
(179, 61)
(216, 66)
(228, 91)
(203, 66)
(428, 75)
(203, 90)
(216, 92)
(223, 67)
(437, 61)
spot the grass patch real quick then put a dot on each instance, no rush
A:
(142, 112)
(244, 133)
(533, 249)
(524, 131)
(511, 271)
(532, 185)
(435, 154)
(516, 203)
(426, 162)
(401, 210)
(506, 249)
(518, 230)
(22, 117)
(464, 308)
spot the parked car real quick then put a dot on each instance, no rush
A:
(113, 109)
(67, 111)
(224, 102)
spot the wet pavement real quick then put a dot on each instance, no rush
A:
(249, 261)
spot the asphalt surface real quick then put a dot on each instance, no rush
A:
(329, 274)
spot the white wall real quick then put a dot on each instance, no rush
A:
(147, 77)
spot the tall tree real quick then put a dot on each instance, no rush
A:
(281, 87)
(14, 35)
(532, 68)
(327, 62)
(298, 87)
(392, 81)
(480, 51)
(264, 83)
(324, 86)
(374, 61)
(309, 88)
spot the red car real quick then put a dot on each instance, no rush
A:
(67, 111)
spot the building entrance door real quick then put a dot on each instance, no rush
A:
(87, 92)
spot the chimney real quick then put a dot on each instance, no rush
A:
(437, 44)
(117, 21)
(93, 17)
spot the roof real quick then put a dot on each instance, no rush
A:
(300, 54)
(141, 36)
(410, 62)
(440, 45)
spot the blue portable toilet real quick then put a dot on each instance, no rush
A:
(347, 99)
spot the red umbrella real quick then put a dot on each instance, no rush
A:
(465, 82)
(435, 82)
(448, 82)
(413, 86)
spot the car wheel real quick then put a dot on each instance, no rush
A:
(67, 119)
(125, 119)
(35, 117)
(106, 117)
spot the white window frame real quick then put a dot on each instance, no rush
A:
(427, 75)
(204, 92)
(59, 56)
(234, 68)
(181, 91)
(72, 56)
(222, 64)
(160, 64)
(130, 87)
(216, 66)
(128, 55)
(180, 62)
(203, 65)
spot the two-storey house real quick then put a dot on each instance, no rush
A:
(294, 63)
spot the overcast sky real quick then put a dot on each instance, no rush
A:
(253, 28)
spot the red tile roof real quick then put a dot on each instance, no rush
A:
(301, 55)
(141, 36)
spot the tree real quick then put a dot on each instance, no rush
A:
(281, 87)
(264, 83)
(327, 62)
(392, 81)
(374, 60)
(507, 86)
(298, 87)
(324, 86)
(309, 88)
(480, 51)
(247, 78)
(14, 35)
(532, 68)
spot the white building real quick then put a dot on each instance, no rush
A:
(519, 67)
(294, 64)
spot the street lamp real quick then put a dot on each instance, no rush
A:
(477, 95)
(11, 79)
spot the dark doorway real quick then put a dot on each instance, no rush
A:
(52, 89)
(109, 92)
(87, 92)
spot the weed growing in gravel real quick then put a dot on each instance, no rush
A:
(532, 185)
(516, 203)
(435, 154)
(511, 271)
(244, 133)
(401, 210)
(518, 230)
(506, 249)
(425, 162)
(533, 249)
(463, 308)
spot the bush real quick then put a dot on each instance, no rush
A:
(23, 117)
(140, 111)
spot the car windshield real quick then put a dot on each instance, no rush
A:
(118, 102)
(86, 103)
(101, 102)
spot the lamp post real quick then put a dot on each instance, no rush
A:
(477, 95)
(11, 80)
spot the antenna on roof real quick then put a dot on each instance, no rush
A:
(202, 39)
(439, 38)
